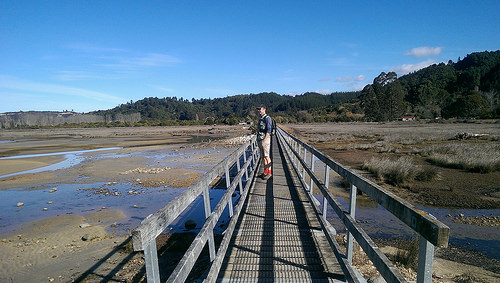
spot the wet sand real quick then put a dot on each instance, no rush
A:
(10, 166)
(77, 246)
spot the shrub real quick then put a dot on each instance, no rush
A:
(473, 157)
(407, 253)
(398, 171)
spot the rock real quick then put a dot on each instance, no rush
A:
(136, 206)
(376, 279)
(84, 225)
(50, 202)
(45, 209)
(53, 190)
(85, 237)
(19, 204)
(190, 224)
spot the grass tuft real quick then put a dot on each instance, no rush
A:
(398, 171)
(407, 253)
(473, 157)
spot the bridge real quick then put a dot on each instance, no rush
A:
(278, 231)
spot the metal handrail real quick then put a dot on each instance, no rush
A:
(144, 236)
(432, 232)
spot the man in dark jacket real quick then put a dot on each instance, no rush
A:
(264, 128)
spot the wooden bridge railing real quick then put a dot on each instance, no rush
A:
(144, 236)
(431, 231)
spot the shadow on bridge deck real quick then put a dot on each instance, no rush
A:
(278, 237)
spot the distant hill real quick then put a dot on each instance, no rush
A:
(469, 88)
(233, 109)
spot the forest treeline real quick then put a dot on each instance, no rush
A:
(468, 88)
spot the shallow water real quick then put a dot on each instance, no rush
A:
(72, 158)
(380, 223)
(136, 201)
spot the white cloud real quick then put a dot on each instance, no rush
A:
(152, 60)
(346, 79)
(343, 79)
(148, 60)
(324, 91)
(408, 68)
(17, 84)
(424, 51)
(80, 75)
(325, 79)
(162, 88)
(89, 48)
(360, 78)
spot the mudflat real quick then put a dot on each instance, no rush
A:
(87, 245)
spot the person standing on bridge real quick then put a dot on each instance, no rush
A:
(264, 128)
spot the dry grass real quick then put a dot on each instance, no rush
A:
(473, 157)
(398, 171)
(407, 254)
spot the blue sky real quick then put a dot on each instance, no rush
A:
(92, 55)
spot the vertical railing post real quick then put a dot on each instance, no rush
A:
(208, 211)
(298, 148)
(244, 162)
(303, 167)
(310, 177)
(425, 261)
(352, 212)
(238, 166)
(255, 155)
(228, 184)
(327, 181)
(151, 260)
(294, 148)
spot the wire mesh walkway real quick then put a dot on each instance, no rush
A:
(278, 238)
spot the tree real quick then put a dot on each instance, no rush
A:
(470, 105)
(369, 103)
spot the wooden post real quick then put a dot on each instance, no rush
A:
(238, 166)
(425, 261)
(228, 184)
(208, 211)
(151, 259)
(327, 181)
(352, 212)
(303, 168)
(312, 170)
(244, 162)
(298, 156)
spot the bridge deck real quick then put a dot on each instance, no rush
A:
(278, 238)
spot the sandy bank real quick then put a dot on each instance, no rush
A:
(57, 248)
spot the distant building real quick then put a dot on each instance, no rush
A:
(407, 118)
